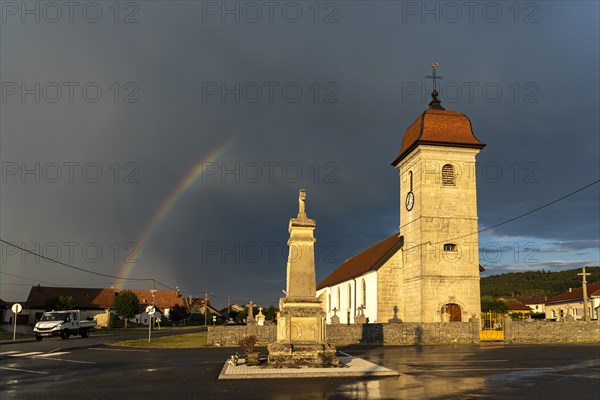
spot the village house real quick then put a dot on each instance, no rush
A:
(570, 304)
(97, 303)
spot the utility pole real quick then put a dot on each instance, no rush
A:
(228, 308)
(153, 292)
(584, 287)
(205, 307)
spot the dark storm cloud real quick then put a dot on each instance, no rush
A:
(201, 82)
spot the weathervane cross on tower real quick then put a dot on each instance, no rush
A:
(435, 102)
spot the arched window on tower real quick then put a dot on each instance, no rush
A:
(448, 175)
(410, 177)
(364, 293)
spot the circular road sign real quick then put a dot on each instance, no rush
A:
(16, 308)
(150, 310)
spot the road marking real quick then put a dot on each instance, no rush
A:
(51, 354)
(494, 369)
(452, 362)
(8, 352)
(25, 370)
(142, 351)
(33, 353)
(64, 360)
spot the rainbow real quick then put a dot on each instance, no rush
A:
(169, 202)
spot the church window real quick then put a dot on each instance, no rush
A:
(339, 299)
(448, 175)
(410, 177)
(364, 293)
(329, 302)
(450, 247)
(349, 296)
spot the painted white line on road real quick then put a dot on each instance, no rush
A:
(8, 352)
(64, 360)
(25, 370)
(33, 353)
(346, 354)
(142, 351)
(452, 362)
(58, 353)
(495, 369)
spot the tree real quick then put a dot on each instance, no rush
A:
(490, 303)
(60, 303)
(177, 313)
(271, 313)
(126, 304)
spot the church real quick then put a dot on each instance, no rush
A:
(429, 270)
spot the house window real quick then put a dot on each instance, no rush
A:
(448, 175)
(450, 247)
(364, 293)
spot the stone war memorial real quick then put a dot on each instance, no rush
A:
(301, 320)
(300, 348)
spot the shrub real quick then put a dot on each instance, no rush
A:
(248, 343)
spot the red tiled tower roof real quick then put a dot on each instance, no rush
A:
(438, 128)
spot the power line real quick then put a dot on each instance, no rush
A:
(72, 266)
(513, 218)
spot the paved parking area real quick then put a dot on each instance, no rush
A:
(427, 372)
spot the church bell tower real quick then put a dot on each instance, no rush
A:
(438, 216)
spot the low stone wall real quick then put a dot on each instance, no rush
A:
(231, 335)
(397, 333)
(551, 331)
(404, 333)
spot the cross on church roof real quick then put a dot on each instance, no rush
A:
(435, 104)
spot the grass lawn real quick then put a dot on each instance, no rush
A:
(185, 341)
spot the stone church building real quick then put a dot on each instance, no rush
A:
(429, 270)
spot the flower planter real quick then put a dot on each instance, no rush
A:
(252, 358)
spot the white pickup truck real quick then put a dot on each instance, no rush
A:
(63, 324)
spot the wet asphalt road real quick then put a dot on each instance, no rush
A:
(93, 371)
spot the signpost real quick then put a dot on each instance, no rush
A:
(150, 310)
(214, 319)
(16, 308)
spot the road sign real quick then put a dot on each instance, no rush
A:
(150, 310)
(16, 308)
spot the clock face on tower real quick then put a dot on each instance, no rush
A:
(410, 200)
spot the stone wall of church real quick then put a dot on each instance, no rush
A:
(390, 304)
(442, 215)
(551, 331)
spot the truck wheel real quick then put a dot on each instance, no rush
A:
(39, 338)
(65, 334)
(84, 333)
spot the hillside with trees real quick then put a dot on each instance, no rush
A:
(535, 283)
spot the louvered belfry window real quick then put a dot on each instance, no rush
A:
(448, 176)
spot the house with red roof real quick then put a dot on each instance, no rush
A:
(570, 305)
(97, 303)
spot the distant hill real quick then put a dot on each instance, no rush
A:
(535, 283)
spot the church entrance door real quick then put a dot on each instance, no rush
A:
(453, 312)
